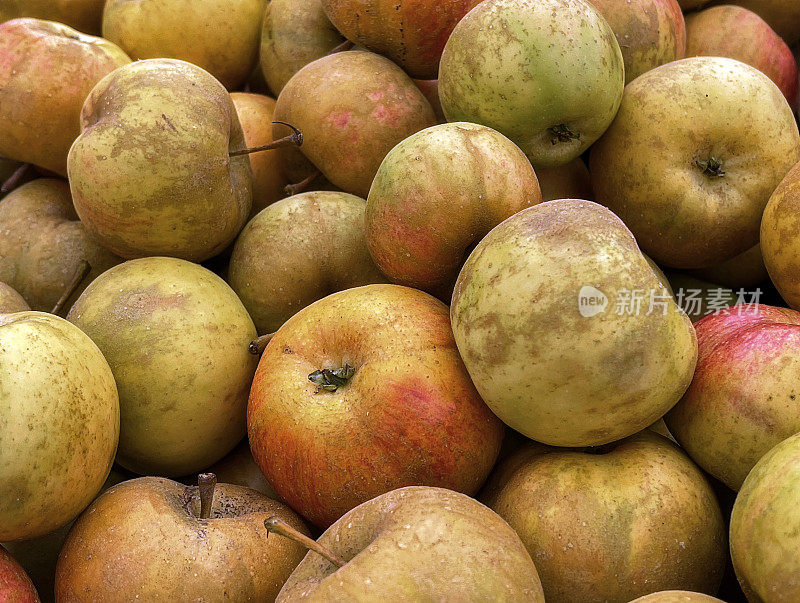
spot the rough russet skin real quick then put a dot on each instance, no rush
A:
(294, 33)
(650, 32)
(59, 423)
(645, 167)
(546, 370)
(141, 540)
(779, 242)
(176, 337)
(438, 193)
(10, 300)
(765, 526)
(15, 585)
(352, 108)
(44, 243)
(614, 525)
(408, 416)
(46, 71)
(221, 36)
(297, 251)
(417, 543)
(175, 123)
(412, 33)
(677, 596)
(709, 33)
(525, 67)
(744, 398)
(83, 15)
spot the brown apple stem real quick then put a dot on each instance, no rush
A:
(257, 346)
(13, 180)
(278, 526)
(206, 482)
(346, 45)
(81, 273)
(295, 139)
(302, 186)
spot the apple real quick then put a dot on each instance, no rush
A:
(176, 337)
(176, 124)
(363, 392)
(297, 251)
(613, 523)
(708, 33)
(548, 74)
(152, 538)
(221, 36)
(15, 585)
(430, 88)
(744, 270)
(438, 193)
(415, 544)
(83, 15)
(778, 242)
(568, 181)
(699, 298)
(46, 71)
(765, 526)
(546, 318)
(677, 596)
(782, 15)
(692, 157)
(10, 300)
(59, 426)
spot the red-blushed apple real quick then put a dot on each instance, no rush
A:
(779, 243)
(155, 539)
(430, 88)
(710, 32)
(363, 392)
(568, 181)
(745, 395)
(782, 15)
(15, 585)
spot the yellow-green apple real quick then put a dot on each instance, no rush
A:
(709, 33)
(46, 71)
(765, 526)
(10, 300)
(650, 32)
(255, 113)
(59, 423)
(417, 544)
(782, 15)
(744, 270)
(546, 73)
(44, 244)
(352, 108)
(568, 181)
(294, 33)
(438, 193)
(176, 124)
(677, 596)
(362, 392)
(15, 585)
(779, 244)
(239, 468)
(411, 33)
(613, 523)
(297, 251)
(567, 332)
(221, 36)
(83, 15)
(176, 338)
(152, 538)
(744, 397)
(692, 157)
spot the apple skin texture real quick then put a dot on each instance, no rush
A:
(46, 71)
(175, 123)
(779, 241)
(408, 416)
(545, 369)
(143, 539)
(176, 338)
(15, 585)
(10, 300)
(59, 423)
(418, 544)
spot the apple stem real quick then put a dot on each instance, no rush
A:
(346, 45)
(280, 527)
(206, 482)
(81, 273)
(257, 346)
(13, 180)
(295, 139)
(299, 187)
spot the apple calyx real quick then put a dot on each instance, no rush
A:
(711, 167)
(346, 45)
(331, 380)
(562, 133)
(83, 270)
(295, 139)
(276, 525)
(299, 187)
(14, 179)
(257, 346)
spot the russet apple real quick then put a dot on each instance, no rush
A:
(83, 15)
(10, 300)
(778, 241)
(677, 596)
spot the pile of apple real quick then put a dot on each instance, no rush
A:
(332, 300)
